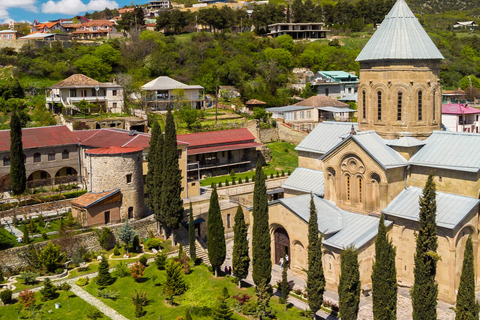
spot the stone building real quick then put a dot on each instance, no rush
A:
(355, 172)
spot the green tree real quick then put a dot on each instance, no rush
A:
(467, 307)
(104, 277)
(172, 203)
(174, 284)
(126, 234)
(222, 311)
(264, 311)
(315, 275)
(158, 173)
(26, 237)
(51, 256)
(18, 176)
(93, 66)
(216, 234)
(284, 285)
(261, 251)
(425, 290)
(384, 276)
(151, 165)
(240, 258)
(349, 287)
(191, 234)
(49, 292)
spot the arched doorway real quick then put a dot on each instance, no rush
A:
(282, 243)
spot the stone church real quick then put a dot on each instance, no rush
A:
(380, 164)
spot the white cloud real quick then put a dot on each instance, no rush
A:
(76, 6)
(28, 5)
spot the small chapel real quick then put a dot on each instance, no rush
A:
(380, 165)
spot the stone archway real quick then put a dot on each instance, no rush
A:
(282, 243)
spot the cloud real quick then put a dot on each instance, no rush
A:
(75, 6)
(28, 5)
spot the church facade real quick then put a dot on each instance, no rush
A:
(357, 171)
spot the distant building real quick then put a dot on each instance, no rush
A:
(46, 36)
(335, 84)
(155, 7)
(454, 96)
(9, 34)
(460, 118)
(107, 96)
(96, 29)
(465, 24)
(299, 31)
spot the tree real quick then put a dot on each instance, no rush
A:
(261, 251)
(424, 292)
(349, 287)
(26, 237)
(191, 235)
(216, 234)
(240, 258)
(49, 292)
(126, 234)
(18, 176)
(264, 311)
(137, 270)
(467, 308)
(222, 311)
(384, 276)
(51, 256)
(172, 203)
(104, 278)
(284, 285)
(158, 173)
(174, 283)
(315, 275)
(151, 164)
(106, 238)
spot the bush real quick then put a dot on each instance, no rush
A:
(239, 180)
(137, 271)
(246, 179)
(283, 173)
(51, 256)
(143, 260)
(27, 298)
(139, 299)
(150, 234)
(271, 175)
(226, 183)
(74, 194)
(49, 291)
(82, 281)
(153, 243)
(44, 235)
(160, 260)
(94, 313)
(122, 270)
(116, 252)
(108, 294)
(250, 307)
(233, 182)
(63, 286)
(6, 296)
(106, 238)
(29, 277)
(289, 172)
(278, 174)
(219, 184)
(136, 243)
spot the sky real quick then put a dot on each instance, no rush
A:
(44, 10)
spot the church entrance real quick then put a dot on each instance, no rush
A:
(282, 243)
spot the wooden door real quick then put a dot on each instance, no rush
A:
(107, 217)
(282, 243)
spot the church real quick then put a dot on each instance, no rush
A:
(380, 165)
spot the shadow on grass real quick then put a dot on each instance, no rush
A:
(202, 311)
(143, 280)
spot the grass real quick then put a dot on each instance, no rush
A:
(77, 307)
(284, 157)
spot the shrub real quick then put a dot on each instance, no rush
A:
(74, 194)
(44, 235)
(6, 296)
(51, 256)
(246, 179)
(150, 234)
(226, 183)
(153, 243)
(278, 174)
(233, 182)
(105, 238)
(27, 298)
(220, 184)
(108, 294)
(28, 277)
(122, 270)
(241, 298)
(289, 172)
(212, 185)
(116, 252)
(160, 260)
(94, 313)
(250, 307)
(232, 173)
(271, 175)
(58, 270)
(143, 260)
(49, 291)
(283, 173)
(137, 271)
(82, 281)
(139, 299)
(63, 286)
(239, 180)
(136, 243)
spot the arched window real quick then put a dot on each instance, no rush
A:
(65, 154)
(434, 92)
(6, 161)
(420, 105)
(348, 188)
(37, 157)
(51, 156)
(379, 105)
(130, 212)
(399, 106)
(360, 190)
(364, 104)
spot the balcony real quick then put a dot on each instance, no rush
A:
(214, 162)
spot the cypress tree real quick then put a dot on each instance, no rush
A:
(261, 251)
(467, 308)
(26, 238)
(384, 276)
(315, 276)
(349, 287)
(172, 203)
(18, 176)
(191, 235)
(425, 290)
(158, 180)
(151, 166)
(240, 258)
(104, 278)
(284, 286)
(216, 234)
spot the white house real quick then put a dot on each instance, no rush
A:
(460, 118)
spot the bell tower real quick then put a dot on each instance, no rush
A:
(399, 92)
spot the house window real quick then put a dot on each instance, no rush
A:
(84, 92)
(129, 178)
(399, 106)
(65, 154)
(51, 156)
(326, 92)
(434, 91)
(348, 188)
(37, 157)
(114, 105)
(360, 190)
(420, 105)
(114, 92)
(379, 105)
(179, 153)
(6, 161)
(364, 104)
(73, 93)
(228, 221)
(94, 28)
(309, 114)
(302, 115)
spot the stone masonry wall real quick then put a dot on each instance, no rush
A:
(288, 134)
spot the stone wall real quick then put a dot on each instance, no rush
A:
(17, 44)
(269, 135)
(288, 134)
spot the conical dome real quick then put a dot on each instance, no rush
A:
(399, 37)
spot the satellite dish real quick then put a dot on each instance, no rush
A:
(97, 88)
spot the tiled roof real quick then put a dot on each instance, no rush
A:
(325, 136)
(254, 102)
(399, 37)
(321, 101)
(213, 138)
(82, 81)
(98, 23)
(306, 180)
(91, 198)
(104, 138)
(451, 208)
(40, 137)
(113, 150)
(458, 108)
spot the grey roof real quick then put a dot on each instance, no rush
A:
(167, 83)
(406, 142)
(325, 136)
(306, 180)
(336, 109)
(38, 35)
(287, 108)
(450, 150)
(8, 31)
(451, 208)
(353, 97)
(376, 147)
(400, 36)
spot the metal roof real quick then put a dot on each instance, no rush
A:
(336, 109)
(451, 208)
(400, 36)
(353, 97)
(167, 83)
(405, 142)
(325, 136)
(306, 180)
(287, 108)
(450, 150)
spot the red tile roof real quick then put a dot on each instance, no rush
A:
(457, 108)
(113, 150)
(40, 137)
(216, 137)
(89, 199)
(254, 102)
(321, 101)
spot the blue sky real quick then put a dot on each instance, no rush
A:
(43, 10)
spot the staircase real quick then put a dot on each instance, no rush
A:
(201, 251)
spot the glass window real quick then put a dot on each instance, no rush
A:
(399, 106)
(6, 160)
(379, 105)
(65, 154)
(360, 190)
(129, 178)
(434, 92)
(51, 156)
(420, 105)
(73, 93)
(37, 157)
(364, 103)
(114, 92)
(348, 188)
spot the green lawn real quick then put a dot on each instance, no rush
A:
(284, 157)
(77, 307)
